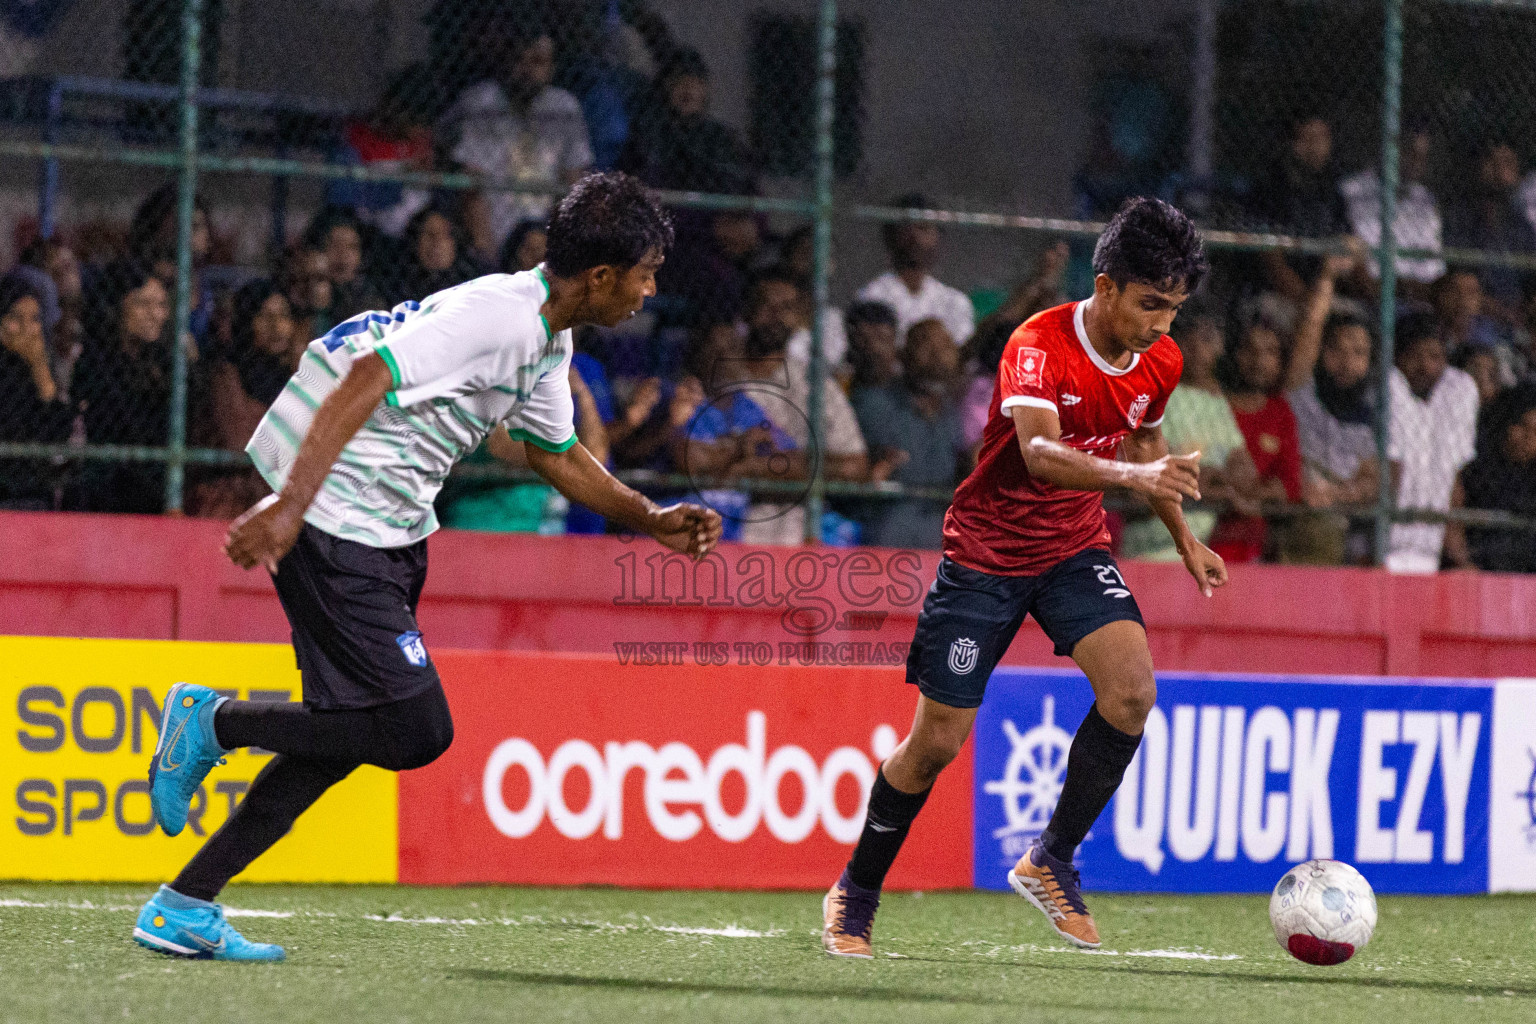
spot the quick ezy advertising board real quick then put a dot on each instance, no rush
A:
(1512, 789)
(1239, 777)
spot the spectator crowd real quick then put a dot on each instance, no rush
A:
(711, 382)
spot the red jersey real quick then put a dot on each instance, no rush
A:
(373, 148)
(1003, 520)
(1273, 443)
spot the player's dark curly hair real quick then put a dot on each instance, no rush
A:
(1150, 242)
(605, 220)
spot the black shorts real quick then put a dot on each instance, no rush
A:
(353, 612)
(970, 617)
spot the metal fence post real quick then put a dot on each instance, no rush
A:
(821, 259)
(1391, 123)
(48, 186)
(191, 58)
(1202, 117)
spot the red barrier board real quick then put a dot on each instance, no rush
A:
(573, 769)
(158, 577)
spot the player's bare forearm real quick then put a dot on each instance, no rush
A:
(336, 422)
(1172, 515)
(1056, 463)
(263, 535)
(1039, 431)
(584, 480)
(1148, 445)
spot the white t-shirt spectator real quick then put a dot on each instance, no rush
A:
(1417, 225)
(1329, 444)
(1431, 440)
(933, 301)
(537, 150)
(834, 340)
(1525, 198)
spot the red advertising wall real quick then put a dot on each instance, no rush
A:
(164, 578)
(573, 769)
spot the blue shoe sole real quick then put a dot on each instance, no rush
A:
(154, 943)
(154, 759)
(149, 940)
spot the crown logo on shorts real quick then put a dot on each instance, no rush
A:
(962, 656)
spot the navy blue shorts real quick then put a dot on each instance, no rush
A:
(970, 617)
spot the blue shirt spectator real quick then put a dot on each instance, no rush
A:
(914, 424)
(732, 417)
(581, 519)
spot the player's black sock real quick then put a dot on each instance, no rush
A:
(282, 791)
(404, 734)
(885, 828)
(1097, 763)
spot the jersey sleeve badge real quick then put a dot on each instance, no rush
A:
(1030, 364)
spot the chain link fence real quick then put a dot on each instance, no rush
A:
(216, 184)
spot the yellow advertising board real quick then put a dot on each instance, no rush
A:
(81, 720)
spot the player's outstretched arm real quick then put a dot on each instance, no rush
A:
(264, 534)
(692, 529)
(1146, 446)
(1171, 477)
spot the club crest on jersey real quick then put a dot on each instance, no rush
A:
(1137, 410)
(1030, 364)
(414, 650)
(962, 656)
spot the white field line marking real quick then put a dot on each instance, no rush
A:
(59, 905)
(728, 932)
(1181, 954)
(87, 905)
(731, 931)
(397, 919)
(1160, 954)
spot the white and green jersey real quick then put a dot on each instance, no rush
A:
(464, 361)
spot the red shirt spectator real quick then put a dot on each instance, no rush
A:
(1274, 443)
(1253, 370)
(395, 136)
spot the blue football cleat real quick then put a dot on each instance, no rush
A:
(186, 753)
(199, 932)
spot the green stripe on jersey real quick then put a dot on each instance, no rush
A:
(283, 427)
(308, 399)
(389, 361)
(322, 365)
(549, 446)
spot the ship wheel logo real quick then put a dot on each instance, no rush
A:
(1529, 796)
(1032, 778)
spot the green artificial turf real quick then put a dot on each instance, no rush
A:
(382, 954)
